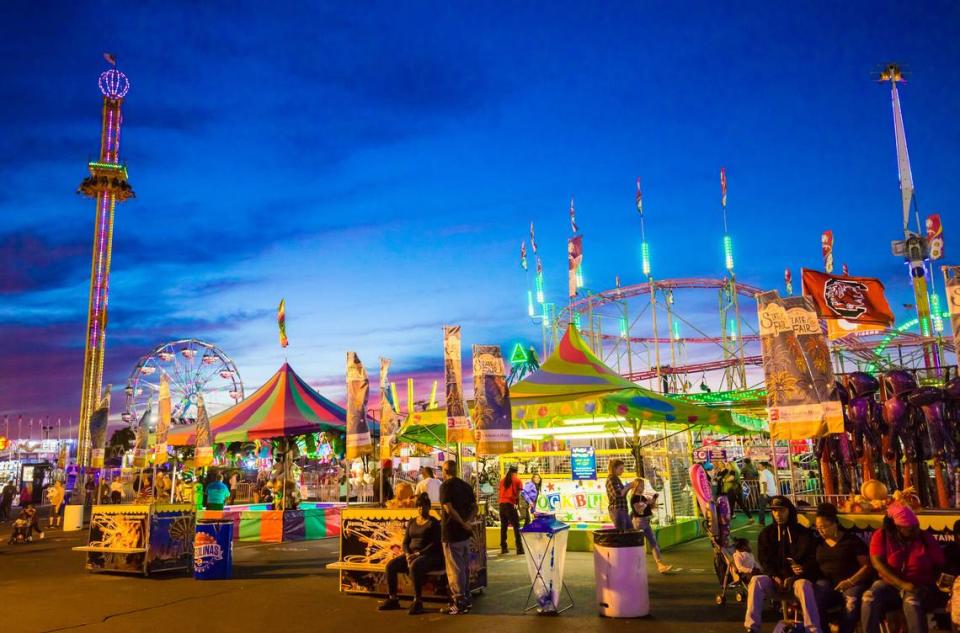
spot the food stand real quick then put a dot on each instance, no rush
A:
(260, 522)
(140, 538)
(372, 536)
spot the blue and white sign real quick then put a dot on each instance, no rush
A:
(583, 463)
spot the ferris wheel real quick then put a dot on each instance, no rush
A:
(194, 368)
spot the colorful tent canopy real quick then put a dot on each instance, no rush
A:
(284, 406)
(574, 387)
(571, 371)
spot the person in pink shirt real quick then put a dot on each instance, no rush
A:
(907, 561)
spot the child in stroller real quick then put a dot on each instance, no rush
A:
(725, 559)
(23, 527)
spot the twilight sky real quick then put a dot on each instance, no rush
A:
(378, 166)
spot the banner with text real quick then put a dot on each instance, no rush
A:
(458, 425)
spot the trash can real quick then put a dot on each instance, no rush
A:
(620, 569)
(213, 550)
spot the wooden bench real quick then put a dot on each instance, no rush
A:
(110, 550)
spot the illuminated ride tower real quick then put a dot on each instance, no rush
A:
(914, 248)
(107, 185)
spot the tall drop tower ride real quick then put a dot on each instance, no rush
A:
(107, 185)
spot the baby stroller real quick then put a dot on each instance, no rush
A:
(21, 532)
(727, 574)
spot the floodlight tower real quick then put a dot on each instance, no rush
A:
(914, 248)
(107, 185)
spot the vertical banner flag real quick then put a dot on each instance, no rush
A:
(282, 322)
(849, 304)
(826, 249)
(203, 453)
(951, 277)
(793, 406)
(523, 255)
(98, 431)
(539, 266)
(723, 186)
(491, 414)
(788, 281)
(142, 440)
(639, 198)
(164, 411)
(845, 270)
(358, 390)
(574, 258)
(458, 426)
(573, 217)
(935, 236)
(389, 420)
(533, 241)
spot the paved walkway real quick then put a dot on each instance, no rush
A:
(285, 587)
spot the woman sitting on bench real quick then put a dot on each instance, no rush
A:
(422, 554)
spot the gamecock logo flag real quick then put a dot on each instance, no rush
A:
(857, 300)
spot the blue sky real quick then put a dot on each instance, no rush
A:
(378, 166)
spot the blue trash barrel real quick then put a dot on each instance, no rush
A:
(213, 550)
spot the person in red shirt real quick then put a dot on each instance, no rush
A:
(907, 561)
(509, 497)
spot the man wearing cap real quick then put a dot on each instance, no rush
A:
(787, 552)
(907, 561)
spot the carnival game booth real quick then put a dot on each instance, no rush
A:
(140, 538)
(282, 409)
(571, 417)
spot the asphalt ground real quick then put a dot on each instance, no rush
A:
(286, 587)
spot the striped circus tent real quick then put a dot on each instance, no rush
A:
(284, 406)
(570, 372)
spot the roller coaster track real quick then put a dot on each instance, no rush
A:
(647, 374)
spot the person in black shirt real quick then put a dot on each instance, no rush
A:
(459, 509)
(845, 566)
(382, 483)
(421, 554)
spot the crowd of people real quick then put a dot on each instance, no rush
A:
(832, 573)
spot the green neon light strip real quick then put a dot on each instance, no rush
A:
(113, 166)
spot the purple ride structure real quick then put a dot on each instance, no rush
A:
(107, 185)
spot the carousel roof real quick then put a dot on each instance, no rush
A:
(284, 406)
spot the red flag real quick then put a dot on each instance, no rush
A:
(723, 186)
(854, 299)
(935, 236)
(573, 217)
(111, 58)
(826, 249)
(539, 266)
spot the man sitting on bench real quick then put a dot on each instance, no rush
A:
(422, 554)
(787, 553)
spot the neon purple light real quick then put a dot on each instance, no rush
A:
(109, 137)
(116, 145)
(114, 84)
(98, 286)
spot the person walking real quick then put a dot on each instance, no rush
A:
(768, 489)
(459, 507)
(421, 555)
(6, 500)
(57, 496)
(733, 489)
(528, 498)
(428, 484)
(642, 508)
(509, 498)
(116, 491)
(617, 495)
(217, 493)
